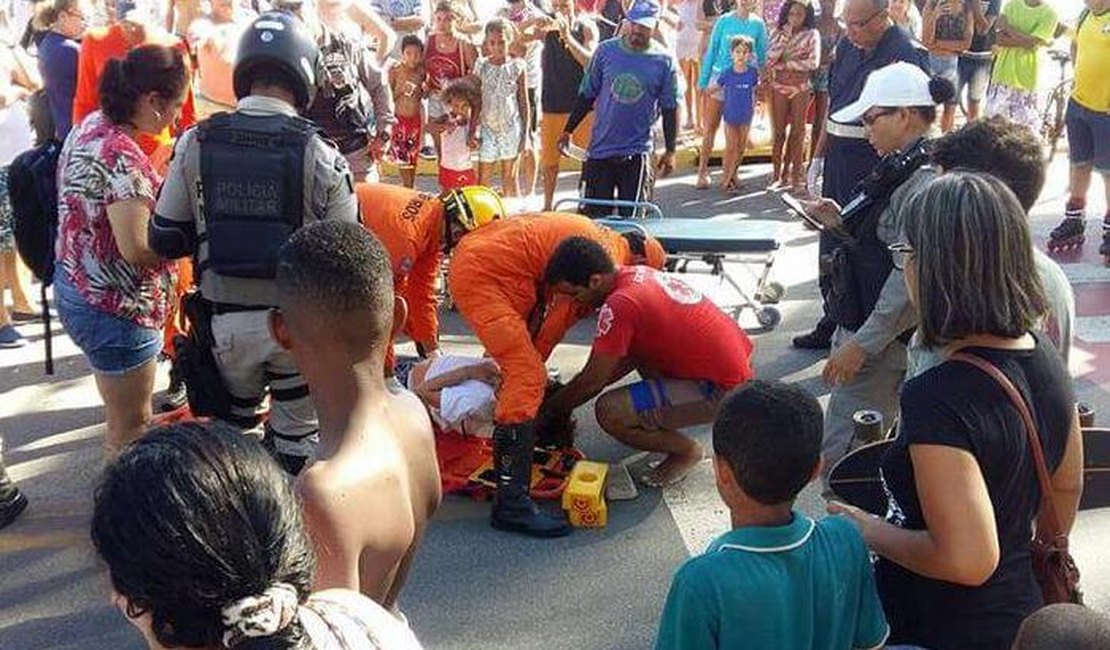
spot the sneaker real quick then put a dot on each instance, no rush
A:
(10, 338)
(173, 398)
(428, 153)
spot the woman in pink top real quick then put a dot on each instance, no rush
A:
(113, 292)
(793, 56)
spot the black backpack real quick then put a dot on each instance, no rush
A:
(33, 189)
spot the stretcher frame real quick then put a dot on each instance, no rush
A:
(758, 252)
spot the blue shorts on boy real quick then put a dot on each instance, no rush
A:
(807, 584)
(739, 89)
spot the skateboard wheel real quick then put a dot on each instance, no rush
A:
(768, 317)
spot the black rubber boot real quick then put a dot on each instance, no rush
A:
(12, 501)
(513, 508)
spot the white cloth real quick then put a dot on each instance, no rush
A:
(499, 84)
(688, 38)
(462, 405)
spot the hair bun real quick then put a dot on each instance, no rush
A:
(941, 90)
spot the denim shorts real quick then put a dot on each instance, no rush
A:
(975, 75)
(113, 345)
(945, 66)
(1088, 137)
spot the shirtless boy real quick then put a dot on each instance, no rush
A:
(375, 483)
(406, 80)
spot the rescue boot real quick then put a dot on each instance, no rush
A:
(1069, 235)
(513, 508)
(12, 501)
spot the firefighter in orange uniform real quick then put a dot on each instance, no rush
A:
(416, 229)
(496, 280)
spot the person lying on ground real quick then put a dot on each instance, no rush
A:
(375, 482)
(688, 352)
(459, 391)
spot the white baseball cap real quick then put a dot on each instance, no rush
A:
(898, 84)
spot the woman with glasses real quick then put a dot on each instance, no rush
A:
(866, 298)
(65, 22)
(954, 568)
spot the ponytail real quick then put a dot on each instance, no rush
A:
(941, 90)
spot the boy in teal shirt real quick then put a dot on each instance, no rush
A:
(779, 579)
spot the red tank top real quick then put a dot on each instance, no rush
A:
(443, 67)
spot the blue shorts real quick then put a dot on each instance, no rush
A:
(499, 145)
(945, 66)
(113, 345)
(1088, 137)
(975, 75)
(652, 398)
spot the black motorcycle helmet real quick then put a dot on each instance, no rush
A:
(276, 41)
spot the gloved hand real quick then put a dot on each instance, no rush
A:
(815, 176)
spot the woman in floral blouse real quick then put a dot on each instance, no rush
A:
(113, 293)
(793, 56)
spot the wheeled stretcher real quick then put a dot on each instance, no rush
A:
(750, 243)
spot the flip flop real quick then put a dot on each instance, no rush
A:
(648, 481)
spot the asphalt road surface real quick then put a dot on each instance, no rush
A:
(473, 587)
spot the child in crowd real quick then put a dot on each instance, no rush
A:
(462, 98)
(504, 107)
(375, 482)
(778, 579)
(406, 80)
(459, 391)
(738, 84)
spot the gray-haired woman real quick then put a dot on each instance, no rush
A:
(955, 569)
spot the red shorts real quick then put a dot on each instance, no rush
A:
(407, 134)
(453, 179)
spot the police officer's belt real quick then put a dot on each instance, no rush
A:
(221, 308)
(845, 130)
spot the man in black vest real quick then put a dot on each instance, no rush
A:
(568, 42)
(239, 185)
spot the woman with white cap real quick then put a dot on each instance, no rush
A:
(868, 300)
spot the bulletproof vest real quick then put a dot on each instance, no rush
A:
(860, 267)
(254, 184)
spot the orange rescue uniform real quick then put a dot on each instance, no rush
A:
(410, 226)
(496, 280)
(97, 48)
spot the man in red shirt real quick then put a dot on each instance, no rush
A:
(688, 352)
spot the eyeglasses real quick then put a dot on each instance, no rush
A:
(860, 24)
(900, 252)
(869, 119)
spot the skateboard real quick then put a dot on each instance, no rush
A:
(854, 479)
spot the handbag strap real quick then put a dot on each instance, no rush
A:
(1030, 430)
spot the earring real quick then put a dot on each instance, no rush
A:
(158, 115)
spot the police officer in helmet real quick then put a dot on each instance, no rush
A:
(239, 185)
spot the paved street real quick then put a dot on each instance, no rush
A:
(472, 587)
